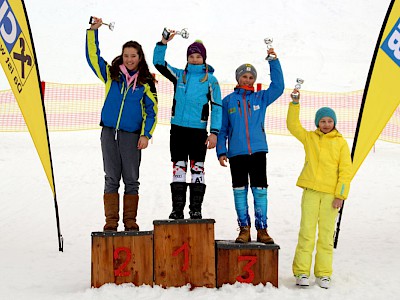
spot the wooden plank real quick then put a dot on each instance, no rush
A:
(184, 252)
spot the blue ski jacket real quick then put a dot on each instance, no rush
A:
(123, 109)
(243, 115)
(192, 98)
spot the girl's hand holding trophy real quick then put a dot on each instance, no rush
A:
(95, 23)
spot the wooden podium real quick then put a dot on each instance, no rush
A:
(184, 252)
(177, 253)
(122, 257)
(249, 263)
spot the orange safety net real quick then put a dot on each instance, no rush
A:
(78, 107)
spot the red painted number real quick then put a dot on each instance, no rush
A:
(185, 249)
(252, 260)
(120, 271)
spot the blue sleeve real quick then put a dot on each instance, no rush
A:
(224, 131)
(150, 110)
(171, 73)
(216, 106)
(159, 54)
(98, 65)
(277, 86)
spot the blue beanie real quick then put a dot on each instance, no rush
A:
(325, 112)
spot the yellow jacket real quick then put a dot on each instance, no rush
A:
(327, 167)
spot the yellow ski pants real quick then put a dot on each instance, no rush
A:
(316, 208)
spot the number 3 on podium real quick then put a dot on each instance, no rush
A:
(252, 260)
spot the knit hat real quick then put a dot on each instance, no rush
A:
(325, 112)
(197, 47)
(246, 68)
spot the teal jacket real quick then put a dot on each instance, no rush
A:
(192, 97)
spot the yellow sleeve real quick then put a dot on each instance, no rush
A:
(344, 172)
(293, 122)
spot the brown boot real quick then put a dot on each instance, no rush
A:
(244, 235)
(111, 211)
(263, 236)
(130, 212)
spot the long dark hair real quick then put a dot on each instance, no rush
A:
(143, 68)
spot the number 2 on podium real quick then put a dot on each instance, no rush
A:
(120, 271)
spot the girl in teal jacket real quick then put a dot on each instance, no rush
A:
(196, 95)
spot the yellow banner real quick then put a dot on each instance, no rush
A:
(381, 94)
(18, 60)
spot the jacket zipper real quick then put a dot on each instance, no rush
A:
(246, 122)
(121, 108)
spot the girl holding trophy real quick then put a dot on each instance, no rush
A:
(128, 120)
(242, 140)
(325, 180)
(196, 91)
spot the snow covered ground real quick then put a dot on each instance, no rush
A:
(330, 44)
(366, 262)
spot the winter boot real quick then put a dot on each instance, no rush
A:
(111, 211)
(178, 191)
(302, 280)
(324, 282)
(244, 235)
(263, 236)
(130, 212)
(197, 191)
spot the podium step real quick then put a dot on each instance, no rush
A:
(247, 263)
(184, 252)
(122, 257)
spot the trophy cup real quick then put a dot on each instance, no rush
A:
(183, 33)
(110, 25)
(269, 41)
(299, 82)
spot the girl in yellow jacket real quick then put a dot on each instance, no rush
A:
(325, 180)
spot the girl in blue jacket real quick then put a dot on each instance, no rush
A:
(196, 91)
(243, 115)
(128, 119)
